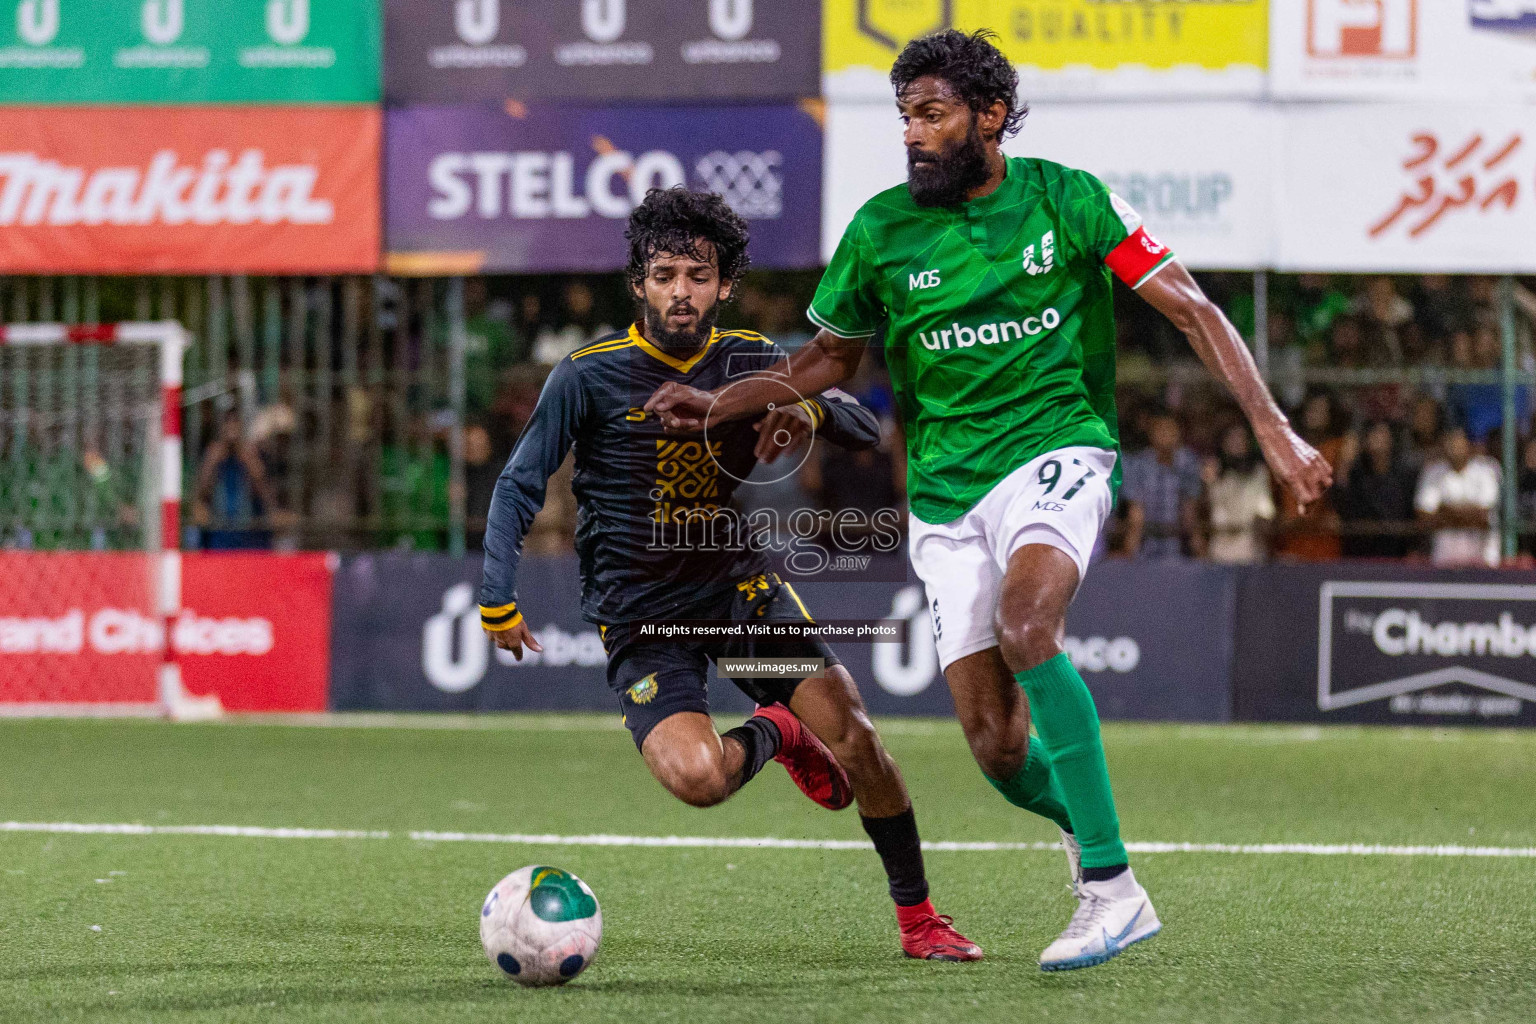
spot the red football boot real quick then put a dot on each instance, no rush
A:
(809, 763)
(928, 935)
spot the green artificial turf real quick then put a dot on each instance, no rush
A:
(202, 928)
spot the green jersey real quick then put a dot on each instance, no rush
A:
(998, 318)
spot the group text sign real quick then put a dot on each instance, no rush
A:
(166, 190)
(488, 50)
(1207, 194)
(548, 188)
(1064, 49)
(189, 51)
(1385, 645)
(1404, 49)
(81, 628)
(1447, 187)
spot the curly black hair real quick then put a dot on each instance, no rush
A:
(972, 64)
(675, 220)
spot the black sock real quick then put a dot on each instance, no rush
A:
(761, 739)
(1104, 874)
(902, 854)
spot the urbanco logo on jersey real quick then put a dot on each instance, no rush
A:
(957, 335)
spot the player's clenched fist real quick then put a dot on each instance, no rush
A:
(780, 431)
(514, 638)
(1295, 463)
(680, 407)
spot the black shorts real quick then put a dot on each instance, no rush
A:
(655, 680)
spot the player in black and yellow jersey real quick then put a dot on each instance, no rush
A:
(652, 505)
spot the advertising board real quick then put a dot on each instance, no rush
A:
(1403, 49)
(545, 188)
(1386, 645)
(189, 51)
(408, 637)
(1063, 49)
(1206, 193)
(79, 629)
(168, 190)
(590, 50)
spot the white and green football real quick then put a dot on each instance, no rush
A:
(541, 925)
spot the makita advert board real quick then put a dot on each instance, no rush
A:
(407, 637)
(189, 190)
(1380, 643)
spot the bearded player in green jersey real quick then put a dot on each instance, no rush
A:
(990, 278)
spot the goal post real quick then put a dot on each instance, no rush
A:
(90, 520)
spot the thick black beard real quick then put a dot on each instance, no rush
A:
(959, 170)
(682, 343)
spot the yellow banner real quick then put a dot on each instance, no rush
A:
(1059, 35)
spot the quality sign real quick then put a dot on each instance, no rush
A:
(546, 188)
(1446, 650)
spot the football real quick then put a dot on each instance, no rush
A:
(541, 926)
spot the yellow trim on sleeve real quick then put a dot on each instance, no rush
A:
(501, 627)
(815, 411)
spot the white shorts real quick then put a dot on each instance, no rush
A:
(1060, 499)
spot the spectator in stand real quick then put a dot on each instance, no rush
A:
(1242, 507)
(1161, 494)
(491, 345)
(233, 495)
(1480, 406)
(582, 326)
(1426, 421)
(1457, 498)
(480, 473)
(1346, 343)
(1317, 304)
(1440, 308)
(1374, 494)
(1382, 313)
(1527, 494)
(1313, 535)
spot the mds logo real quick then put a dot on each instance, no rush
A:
(1386, 29)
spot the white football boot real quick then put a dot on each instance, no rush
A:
(1074, 857)
(1110, 916)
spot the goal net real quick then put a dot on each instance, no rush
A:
(90, 490)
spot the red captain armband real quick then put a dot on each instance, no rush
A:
(1138, 258)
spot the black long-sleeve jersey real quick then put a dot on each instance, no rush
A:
(647, 531)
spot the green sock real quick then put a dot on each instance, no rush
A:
(1064, 715)
(1034, 788)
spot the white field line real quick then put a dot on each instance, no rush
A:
(765, 842)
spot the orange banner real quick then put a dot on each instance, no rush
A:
(149, 190)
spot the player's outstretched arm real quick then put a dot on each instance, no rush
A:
(518, 496)
(825, 363)
(1296, 464)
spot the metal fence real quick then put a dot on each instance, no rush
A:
(349, 392)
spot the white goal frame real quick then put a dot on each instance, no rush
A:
(171, 341)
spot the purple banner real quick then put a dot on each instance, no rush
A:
(585, 50)
(548, 188)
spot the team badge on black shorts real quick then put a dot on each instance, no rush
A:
(644, 691)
